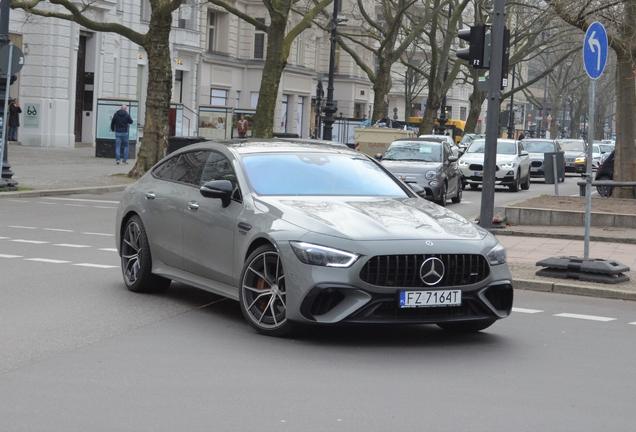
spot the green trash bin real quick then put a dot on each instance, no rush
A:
(549, 159)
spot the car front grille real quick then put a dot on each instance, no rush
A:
(479, 167)
(537, 163)
(404, 270)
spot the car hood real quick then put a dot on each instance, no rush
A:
(371, 218)
(411, 167)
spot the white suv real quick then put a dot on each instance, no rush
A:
(513, 164)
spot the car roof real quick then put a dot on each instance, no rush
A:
(419, 139)
(256, 145)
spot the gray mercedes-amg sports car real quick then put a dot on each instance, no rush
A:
(303, 233)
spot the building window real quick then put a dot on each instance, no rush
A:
(300, 50)
(462, 113)
(187, 16)
(300, 108)
(253, 99)
(283, 114)
(145, 10)
(259, 41)
(358, 110)
(238, 99)
(218, 97)
(211, 31)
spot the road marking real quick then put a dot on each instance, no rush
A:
(108, 249)
(99, 234)
(634, 323)
(528, 311)
(29, 241)
(95, 265)
(47, 203)
(4, 238)
(72, 245)
(10, 256)
(76, 205)
(585, 317)
(22, 227)
(57, 230)
(52, 261)
(105, 207)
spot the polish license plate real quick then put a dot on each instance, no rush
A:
(410, 299)
(477, 173)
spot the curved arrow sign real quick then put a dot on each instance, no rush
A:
(595, 49)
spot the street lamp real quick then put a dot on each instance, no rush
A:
(331, 107)
(511, 115)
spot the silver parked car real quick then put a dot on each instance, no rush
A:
(537, 148)
(308, 234)
(428, 163)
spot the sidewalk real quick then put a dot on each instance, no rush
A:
(54, 171)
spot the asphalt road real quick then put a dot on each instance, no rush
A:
(79, 352)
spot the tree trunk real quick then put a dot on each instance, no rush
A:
(625, 156)
(381, 88)
(433, 104)
(275, 63)
(476, 100)
(155, 140)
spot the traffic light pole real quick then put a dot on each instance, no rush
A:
(492, 121)
(6, 181)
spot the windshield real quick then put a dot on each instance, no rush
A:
(573, 145)
(414, 151)
(307, 174)
(503, 147)
(538, 146)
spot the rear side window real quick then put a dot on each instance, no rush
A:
(164, 171)
(184, 168)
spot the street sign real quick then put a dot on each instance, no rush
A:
(17, 60)
(595, 49)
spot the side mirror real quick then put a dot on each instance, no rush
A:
(221, 189)
(452, 159)
(419, 190)
(523, 153)
(378, 156)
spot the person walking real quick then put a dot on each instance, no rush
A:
(14, 119)
(119, 124)
(242, 127)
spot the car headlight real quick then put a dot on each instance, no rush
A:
(497, 255)
(430, 175)
(507, 165)
(462, 162)
(580, 159)
(322, 256)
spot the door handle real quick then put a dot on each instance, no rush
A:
(150, 195)
(193, 205)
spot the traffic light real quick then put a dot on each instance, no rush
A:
(476, 37)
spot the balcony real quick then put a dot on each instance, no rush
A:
(187, 38)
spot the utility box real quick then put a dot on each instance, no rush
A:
(372, 140)
(549, 159)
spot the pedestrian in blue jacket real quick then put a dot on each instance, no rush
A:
(119, 124)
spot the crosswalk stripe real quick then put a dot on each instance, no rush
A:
(95, 265)
(10, 256)
(46, 260)
(29, 241)
(72, 245)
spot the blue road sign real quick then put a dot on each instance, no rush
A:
(595, 50)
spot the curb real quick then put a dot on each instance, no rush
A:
(98, 190)
(596, 238)
(565, 288)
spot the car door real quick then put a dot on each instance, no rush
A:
(524, 160)
(209, 228)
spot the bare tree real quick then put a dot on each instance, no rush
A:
(619, 18)
(279, 43)
(156, 43)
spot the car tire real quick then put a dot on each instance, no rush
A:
(458, 196)
(136, 261)
(443, 197)
(526, 185)
(604, 191)
(466, 326)
(262, 293)
(516, 185)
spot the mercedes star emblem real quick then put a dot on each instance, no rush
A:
(432, 271)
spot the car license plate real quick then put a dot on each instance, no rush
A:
(570, 164)
(409, 299)
(533, 169)
(477, 173)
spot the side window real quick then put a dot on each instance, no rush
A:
(165, 170)
(188, 167)
(218, 167)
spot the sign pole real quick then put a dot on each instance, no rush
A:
(588, 178)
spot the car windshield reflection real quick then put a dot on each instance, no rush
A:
(414, 151)
(538, 146)
(503, 147)
(310, 174)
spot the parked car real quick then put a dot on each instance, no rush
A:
(467, 139)
(537, 148)
(605, 172)
(430, 164)
(575, 154)
(606, 149)
(513, 164)
(303, 233)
